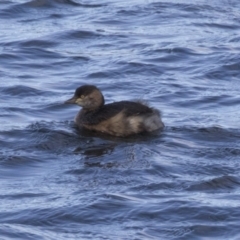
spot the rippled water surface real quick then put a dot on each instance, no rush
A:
(59, 182)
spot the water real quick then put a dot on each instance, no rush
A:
(58, 182)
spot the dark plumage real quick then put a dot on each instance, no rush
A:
(119, 118)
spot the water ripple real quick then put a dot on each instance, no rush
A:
(61, 182)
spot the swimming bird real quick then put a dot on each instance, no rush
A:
(120, 119)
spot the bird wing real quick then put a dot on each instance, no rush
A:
(110, 110)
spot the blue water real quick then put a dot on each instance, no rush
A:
(59, 182)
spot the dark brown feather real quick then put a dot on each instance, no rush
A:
(107, 111)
